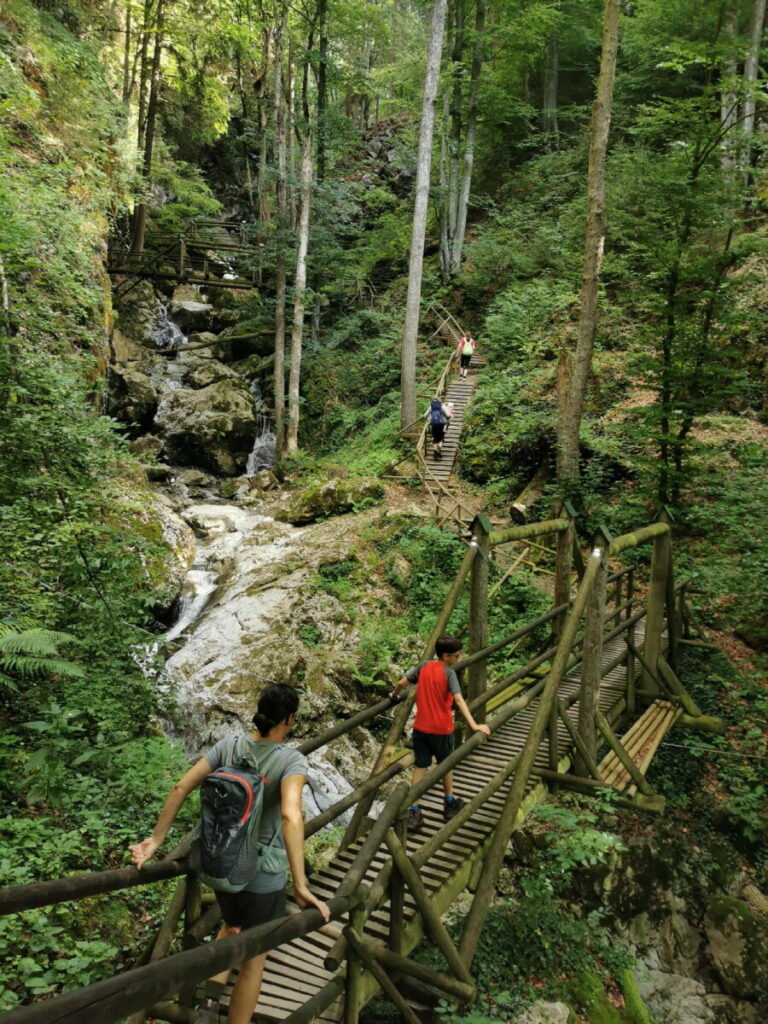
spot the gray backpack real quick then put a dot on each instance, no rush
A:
(227, 851)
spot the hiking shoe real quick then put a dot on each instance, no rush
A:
(452, 808)
(415, 819)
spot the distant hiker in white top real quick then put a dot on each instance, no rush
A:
(466, 348)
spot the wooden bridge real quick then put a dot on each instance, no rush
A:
(208, 253)
(601, 662)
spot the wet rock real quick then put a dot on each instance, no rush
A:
(545, 1013)
(737, 947)
(673, 998)
(213, 427)
(210, 372)
(729, 1011)
(186, 293)
(264, 480)
(266, 622)
(194, 478)
(124, 348)
(191, 315)
(147, 446)
(333, 498)
(132, 397)
(158, 471)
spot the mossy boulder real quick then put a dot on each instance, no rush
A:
(332, 498)
(132, 397)
(737, 947)
(191, 316)
(213, 427)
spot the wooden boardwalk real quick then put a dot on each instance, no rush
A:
(459, 392)
(295, 972)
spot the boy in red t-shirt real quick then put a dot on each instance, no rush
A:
(437, 689)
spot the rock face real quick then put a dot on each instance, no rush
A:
(330, 499)
(133, 398)
(737, 947)
(213, 427)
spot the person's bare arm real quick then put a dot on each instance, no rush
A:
(399, 685)
(293, 837)
(461, 704)
(142, 852)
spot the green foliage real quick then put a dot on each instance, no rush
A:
(186, 195)
(509, 428)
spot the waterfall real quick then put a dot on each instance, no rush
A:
(165, 333)
(198, 587)
(263, 453)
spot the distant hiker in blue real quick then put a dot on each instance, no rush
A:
(282, 770)
(439, 416)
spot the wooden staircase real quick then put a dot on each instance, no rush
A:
(459, 392)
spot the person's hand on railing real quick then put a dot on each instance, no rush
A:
(484, 729)
(306, 899)
(144, 851)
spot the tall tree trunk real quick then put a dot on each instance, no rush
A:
(569, 425)
(469, 141)
(281, 205)
(728, 100)
(415, 265)
(299, 292)
(322, 147)
(751, 65)
(457, 58)
(140, 225)
(549, 98)
(445, 240)
(126, 89)
(291, 137)
(146, 30)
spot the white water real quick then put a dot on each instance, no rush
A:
(264, 451)
(165, 333)
(198, 587)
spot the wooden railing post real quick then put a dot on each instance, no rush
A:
(630, 641)
(397, 894)
(673, 622)
(182, 257)
(478, 609)
(592, 663)
(661, 566)
(564, 562)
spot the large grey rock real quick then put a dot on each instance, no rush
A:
(544, 1013)
(210, 372)
(330, 499)
(191, 316)
(213, 427)
(132, 397)
(673, 998)
(737, 947)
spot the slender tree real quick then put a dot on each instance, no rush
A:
(569, 425)
(281, 226)
(300, 281)
(424, 165)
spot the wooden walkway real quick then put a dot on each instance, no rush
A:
(295, 972)
(459, 392)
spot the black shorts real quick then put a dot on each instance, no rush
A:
(427, 745)
(465, 360)
(247, 909)
(438, 432)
